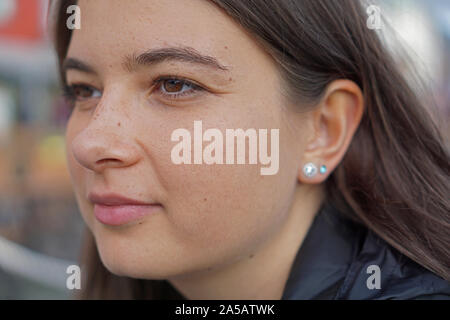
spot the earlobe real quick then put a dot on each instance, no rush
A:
(336, 119)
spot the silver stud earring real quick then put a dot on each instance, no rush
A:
(310, 170)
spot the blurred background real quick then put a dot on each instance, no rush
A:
(40, 227)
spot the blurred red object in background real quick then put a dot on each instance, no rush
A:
(21, 20)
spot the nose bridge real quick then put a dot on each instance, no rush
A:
(108, 139)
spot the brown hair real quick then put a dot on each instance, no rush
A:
(394, 178)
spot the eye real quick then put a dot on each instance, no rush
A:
(173, 87)
(79, 92)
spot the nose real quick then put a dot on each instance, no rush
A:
(104, 144)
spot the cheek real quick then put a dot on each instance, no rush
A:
(226, 208)
(221, 213)
(224, 205)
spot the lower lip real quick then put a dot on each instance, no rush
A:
(123, 214)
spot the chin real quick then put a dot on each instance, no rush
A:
(123, 267)
(133, 263)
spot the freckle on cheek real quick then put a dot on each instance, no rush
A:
(118, 124)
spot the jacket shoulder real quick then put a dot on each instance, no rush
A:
(378, 271)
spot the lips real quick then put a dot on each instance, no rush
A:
(115, 209)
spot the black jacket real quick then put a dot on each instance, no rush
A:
(333, 260)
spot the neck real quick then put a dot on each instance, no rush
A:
(263, 274)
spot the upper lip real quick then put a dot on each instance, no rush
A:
(114, 199)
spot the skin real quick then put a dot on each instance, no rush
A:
(221, 229)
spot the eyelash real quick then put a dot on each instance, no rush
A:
(72, 97)
(69, 91)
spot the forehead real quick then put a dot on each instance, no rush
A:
(113, 29)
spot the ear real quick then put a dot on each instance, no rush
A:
(335, 121)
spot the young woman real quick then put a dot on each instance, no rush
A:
(358, 205)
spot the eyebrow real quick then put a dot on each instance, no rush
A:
(183, 54)
(75, 64)
(151, 57)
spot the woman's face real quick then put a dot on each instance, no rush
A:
(119, 134)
